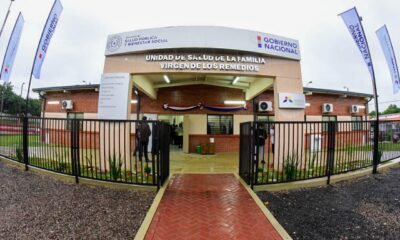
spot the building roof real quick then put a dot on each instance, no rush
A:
(67, 88)
(336, 92)
(96, 86)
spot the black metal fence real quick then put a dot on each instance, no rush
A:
(277, 152)
(107, 150)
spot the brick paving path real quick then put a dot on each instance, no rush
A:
(209, 206)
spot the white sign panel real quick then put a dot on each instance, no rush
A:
(292, 100)
(202, 37)
(114, 96)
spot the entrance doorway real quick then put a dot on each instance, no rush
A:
(176, 130)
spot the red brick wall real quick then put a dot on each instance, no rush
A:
(192, 95)
(86, 139)
(86, 101)
(341, 105)
(223, 143)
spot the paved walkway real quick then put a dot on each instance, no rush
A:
(209, 206)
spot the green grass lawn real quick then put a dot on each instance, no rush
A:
(16, 139)
(383, 146)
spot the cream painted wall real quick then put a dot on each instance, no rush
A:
(344, 118)
(286, 75)
(90, 115)
(55, 115)
(313, 118)
(291, 85)
(193, 124)
(237, 119)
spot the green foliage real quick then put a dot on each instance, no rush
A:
(147, 169)
(19, 153)
(291, 164)
(392, 108)
(389, 135)
(15, 104)
(61, 166)
(115, 167)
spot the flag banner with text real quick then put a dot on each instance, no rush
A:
(387, 48)
(12, 48)
(352, 21)
(47, 34)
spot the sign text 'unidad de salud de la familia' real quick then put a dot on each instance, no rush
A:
(207, 62)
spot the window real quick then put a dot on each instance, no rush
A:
(219, 124)
(356, 122)
(74, 115)
(327, 119)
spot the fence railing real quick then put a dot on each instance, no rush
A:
(291, 151)
(107, 150)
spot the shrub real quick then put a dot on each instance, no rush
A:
(147, 170)
(115, 167)
(19, 153)
(290, 165)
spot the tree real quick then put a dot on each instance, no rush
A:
(392, 108)
(15, 104)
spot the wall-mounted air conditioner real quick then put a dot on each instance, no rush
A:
(354, 109)
(327, 108)
(67, 104)
(264, 106)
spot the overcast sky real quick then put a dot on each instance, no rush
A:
(330, 58)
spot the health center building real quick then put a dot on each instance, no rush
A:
(206, 79)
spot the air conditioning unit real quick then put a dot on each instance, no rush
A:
(327, 108)
(67, 104)
(354, 109)
(264, 106)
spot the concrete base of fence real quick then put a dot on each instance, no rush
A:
(87, 181)
(323, 181)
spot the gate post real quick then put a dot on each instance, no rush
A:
(375, 161)
(254, 151)
(25, 141)
(75, 149)
(331, 149)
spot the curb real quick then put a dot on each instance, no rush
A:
(86, 181)
(316, 182)
(278, 227)
(141, 233)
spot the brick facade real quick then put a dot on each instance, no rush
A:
(86, 101)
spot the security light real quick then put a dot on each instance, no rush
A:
(235, 80)
(166, 78)
(53, 102)
(234, 102)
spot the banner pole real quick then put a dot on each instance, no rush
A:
(375, 161)
(5, 20)
(34, 61)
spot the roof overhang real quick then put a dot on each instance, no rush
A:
(251, 85)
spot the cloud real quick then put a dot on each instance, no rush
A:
(329, 56)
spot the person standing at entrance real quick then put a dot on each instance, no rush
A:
(272, 138)
(261, 135)
(145, 132)
(180, 135)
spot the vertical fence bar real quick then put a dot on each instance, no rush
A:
(75, 148)
(375, 161)
(331, 149)
(25, 141)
